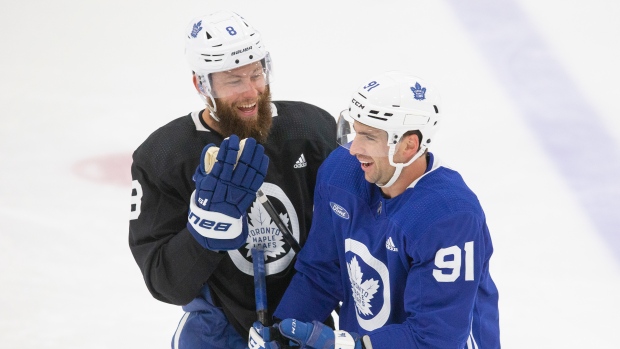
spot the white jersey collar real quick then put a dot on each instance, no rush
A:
(437, 163)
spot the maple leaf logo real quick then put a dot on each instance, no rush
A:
(196, 28)
(363, 291)
(263, 231)
(418, 91)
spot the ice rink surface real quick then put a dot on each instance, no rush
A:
(531, 120)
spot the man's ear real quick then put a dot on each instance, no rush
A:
(411, 144)
(196, 85)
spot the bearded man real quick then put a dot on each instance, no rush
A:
(181, 256)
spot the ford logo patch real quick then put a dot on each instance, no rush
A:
(339, 210)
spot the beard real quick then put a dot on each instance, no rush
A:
(257, 128)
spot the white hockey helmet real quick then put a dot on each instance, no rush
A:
(395, 102)
(220, 42)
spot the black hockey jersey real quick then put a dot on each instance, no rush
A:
(175, 267)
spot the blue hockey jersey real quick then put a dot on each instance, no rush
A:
(411, 271)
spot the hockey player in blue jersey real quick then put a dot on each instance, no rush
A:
(397, 237)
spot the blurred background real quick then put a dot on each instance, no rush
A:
(530, 119)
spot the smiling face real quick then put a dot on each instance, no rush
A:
(370, 147)
(243, 102)
(240, 86)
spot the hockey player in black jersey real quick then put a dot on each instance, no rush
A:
(174, 226)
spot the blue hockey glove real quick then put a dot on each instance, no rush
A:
(262, 337)
(226, 183)
(319, 336)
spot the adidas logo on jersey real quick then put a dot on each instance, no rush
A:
(301, 162)
(389, 244)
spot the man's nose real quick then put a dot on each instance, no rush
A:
(354, 148)
(250, 91)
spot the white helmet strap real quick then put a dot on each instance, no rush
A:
(399, 169)
(212, 107)
(399, 166)
(204, 92)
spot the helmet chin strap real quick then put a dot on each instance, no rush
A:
(204, 94)
(212, 108)
(399, 166)
(399, 169)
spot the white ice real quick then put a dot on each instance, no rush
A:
(83, 83)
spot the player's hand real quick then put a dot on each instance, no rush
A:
(227, 179)
(318, 336)
(262, 337)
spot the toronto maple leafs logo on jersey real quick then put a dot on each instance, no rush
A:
(369, 278)
(196, 29)
(262, 230)
(363, 289)
(418, 92)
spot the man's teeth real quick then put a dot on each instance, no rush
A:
(245, 106)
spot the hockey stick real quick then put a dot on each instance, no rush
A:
(288, 236)
(258, 263)
(260, 286)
